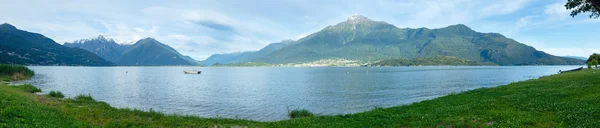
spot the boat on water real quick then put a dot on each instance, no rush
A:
(572, 70)
(192, 72)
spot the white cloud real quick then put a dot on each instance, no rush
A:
(557, 11)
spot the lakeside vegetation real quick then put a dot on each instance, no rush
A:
(300, 113)
(10, 72)
(27, 88)
(562, 100)
(56, 94)
(431, 61)
(593, 60)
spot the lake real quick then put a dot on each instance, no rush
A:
(268, 93)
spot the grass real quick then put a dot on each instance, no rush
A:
(56, 94)
(564, 100)
(300, 113)
(28, 88)
(14, 72)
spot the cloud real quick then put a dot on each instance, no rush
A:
(216, 26)
(557, 11)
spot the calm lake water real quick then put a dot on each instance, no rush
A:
(266, 94)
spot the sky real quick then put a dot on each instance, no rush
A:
(200, 28)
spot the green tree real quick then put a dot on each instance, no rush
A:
(589, 64)
(594, 56)
(583, 6)
(595, 63)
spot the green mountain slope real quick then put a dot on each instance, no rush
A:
(148, 52)
(22, 47)
(360, 38)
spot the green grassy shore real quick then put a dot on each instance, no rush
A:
(563, 100)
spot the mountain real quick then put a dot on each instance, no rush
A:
(576, 57)
(143, 52)
(101, 46)
(360, 38)
(223, 58)
(148, 52)
(26, 48)
(240, 57)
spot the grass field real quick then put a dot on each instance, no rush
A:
(563, 100)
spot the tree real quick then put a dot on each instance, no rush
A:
(593, 60)
(594, 56)
(583, 6)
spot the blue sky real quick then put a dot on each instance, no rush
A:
(201, 28)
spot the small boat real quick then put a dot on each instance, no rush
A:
(192, 72)
(572, 70)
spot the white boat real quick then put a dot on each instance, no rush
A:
(192, 72)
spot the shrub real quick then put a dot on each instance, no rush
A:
(28, 88)
(15, 72)
(84, 98)
(300, 113)
(56, 94)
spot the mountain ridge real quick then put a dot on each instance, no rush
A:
(27, 48)
(150, 52)
(106, 48)
(144, 52)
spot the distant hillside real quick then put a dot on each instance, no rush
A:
(431, 61)
(243, 64)
(241, 57)
(576, 57)
(101, 46)
(26, 48)
(148, 52)
(360, 38)
(226, 58)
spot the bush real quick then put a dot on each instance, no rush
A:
(56, 94)
(84, 98)
(300, 113)
(15, 72)
(28, 88)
